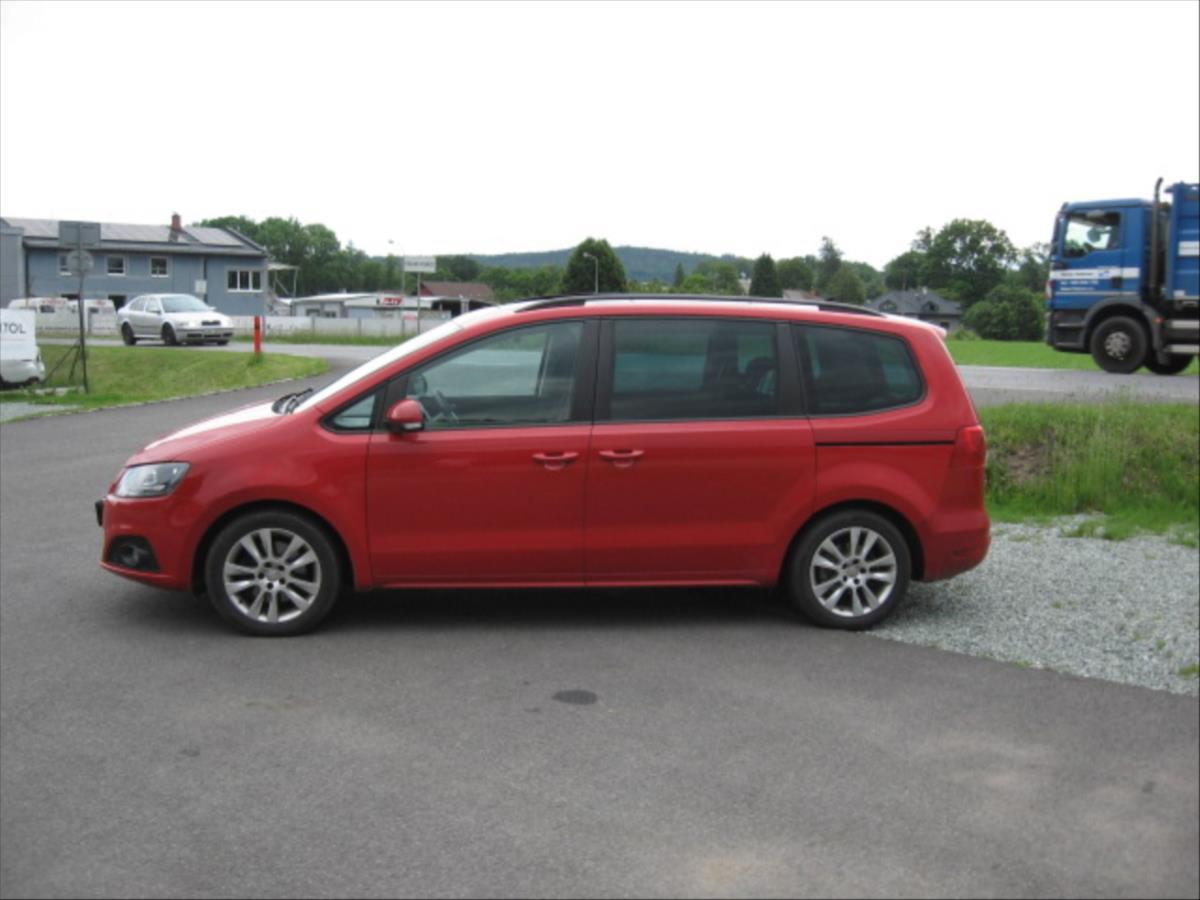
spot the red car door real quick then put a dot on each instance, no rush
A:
(701, 464)
(492, 490)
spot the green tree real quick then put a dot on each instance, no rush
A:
(906, 272)
(871, 278)
(243, 225)
(459, 268)
(846, 286)
(829, 261)
(969, 257)
(1033, 267)
(722, 277)
(1008, 313)
(795, 274)
(580, 274)
(764, 280)
(680, 275)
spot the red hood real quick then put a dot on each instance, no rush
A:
(182, 445)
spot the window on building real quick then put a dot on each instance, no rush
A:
(850, 371)
(63, 268)
(158, 267)
(693, 369)
(116, 265)
(244, 280)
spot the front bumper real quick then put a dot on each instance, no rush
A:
(203, 333)
(158, 522)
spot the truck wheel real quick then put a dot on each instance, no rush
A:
(1176, 364)
(1119, 344)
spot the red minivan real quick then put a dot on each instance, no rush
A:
(603, 440)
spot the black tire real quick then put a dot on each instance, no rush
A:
(222, 343)
(856, 582)
(168, 336)
(237, 608)
(127, 335)
(1176, 364)
(1119, 345)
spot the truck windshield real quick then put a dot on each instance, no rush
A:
(1088, 232)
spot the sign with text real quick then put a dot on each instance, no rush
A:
(420, 264)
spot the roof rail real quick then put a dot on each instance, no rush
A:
(582, 299)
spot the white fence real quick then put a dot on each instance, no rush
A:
(105, 324)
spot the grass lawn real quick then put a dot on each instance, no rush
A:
(120, 375)
(1027, 354)
(1131, 467)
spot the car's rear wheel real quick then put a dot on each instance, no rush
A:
(1176, 364)
(273, 573)
(1119, 345)
(849, 570)
(168, 336)
(127, 335)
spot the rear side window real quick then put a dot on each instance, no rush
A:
(693, 369)
(850, 371)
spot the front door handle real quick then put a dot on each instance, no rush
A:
(622, 459)
(556, 460)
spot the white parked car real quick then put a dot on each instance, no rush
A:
(20, 358)
(172, 319)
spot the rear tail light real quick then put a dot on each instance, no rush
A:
(970, 448)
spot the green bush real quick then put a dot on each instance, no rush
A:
(1007, 313)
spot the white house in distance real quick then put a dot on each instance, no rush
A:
(379, 304)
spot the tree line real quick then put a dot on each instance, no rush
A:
(968, 260)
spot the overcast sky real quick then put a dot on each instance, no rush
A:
(490, 127)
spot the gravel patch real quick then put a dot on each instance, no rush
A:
(1126, 611)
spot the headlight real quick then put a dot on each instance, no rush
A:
(151, 481)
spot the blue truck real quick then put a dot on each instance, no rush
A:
(1125, 281)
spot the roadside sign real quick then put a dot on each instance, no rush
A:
(420, 264)
(80, 262)
(79, 234)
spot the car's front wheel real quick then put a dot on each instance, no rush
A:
(127, 335)
(273, 573)
(168, 336)
(849, 570)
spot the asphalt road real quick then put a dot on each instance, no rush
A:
(647, 743)
(988, 385)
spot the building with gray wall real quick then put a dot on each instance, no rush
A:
(222, 267)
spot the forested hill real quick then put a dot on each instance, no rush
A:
(641, 263)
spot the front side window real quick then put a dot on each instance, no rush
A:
(116, 265)
(521, 377)
(158, 267)
(1088, 232)
(851, 372)
(693, 369)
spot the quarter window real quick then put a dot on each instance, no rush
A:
(521, 377)
(116, 265)
(158, 267)
(693, 369)
(244, 280)
(357, 416)
(851, 371)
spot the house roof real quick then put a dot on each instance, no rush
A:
(116, 236)
(912, 303)
(468, 290)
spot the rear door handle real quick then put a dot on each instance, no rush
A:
(556, 460)
(622, 459)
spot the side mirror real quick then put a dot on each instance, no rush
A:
(406, 415)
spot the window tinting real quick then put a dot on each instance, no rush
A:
(693, 369)
(521, 377)
(852, 371)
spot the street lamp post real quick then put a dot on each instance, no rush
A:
(596, 264)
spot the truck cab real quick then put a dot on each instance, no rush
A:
(1123, 281)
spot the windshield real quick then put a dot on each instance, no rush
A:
(412, 345)
(182, 303)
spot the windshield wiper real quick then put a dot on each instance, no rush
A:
(294, 400)
(277, 405)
